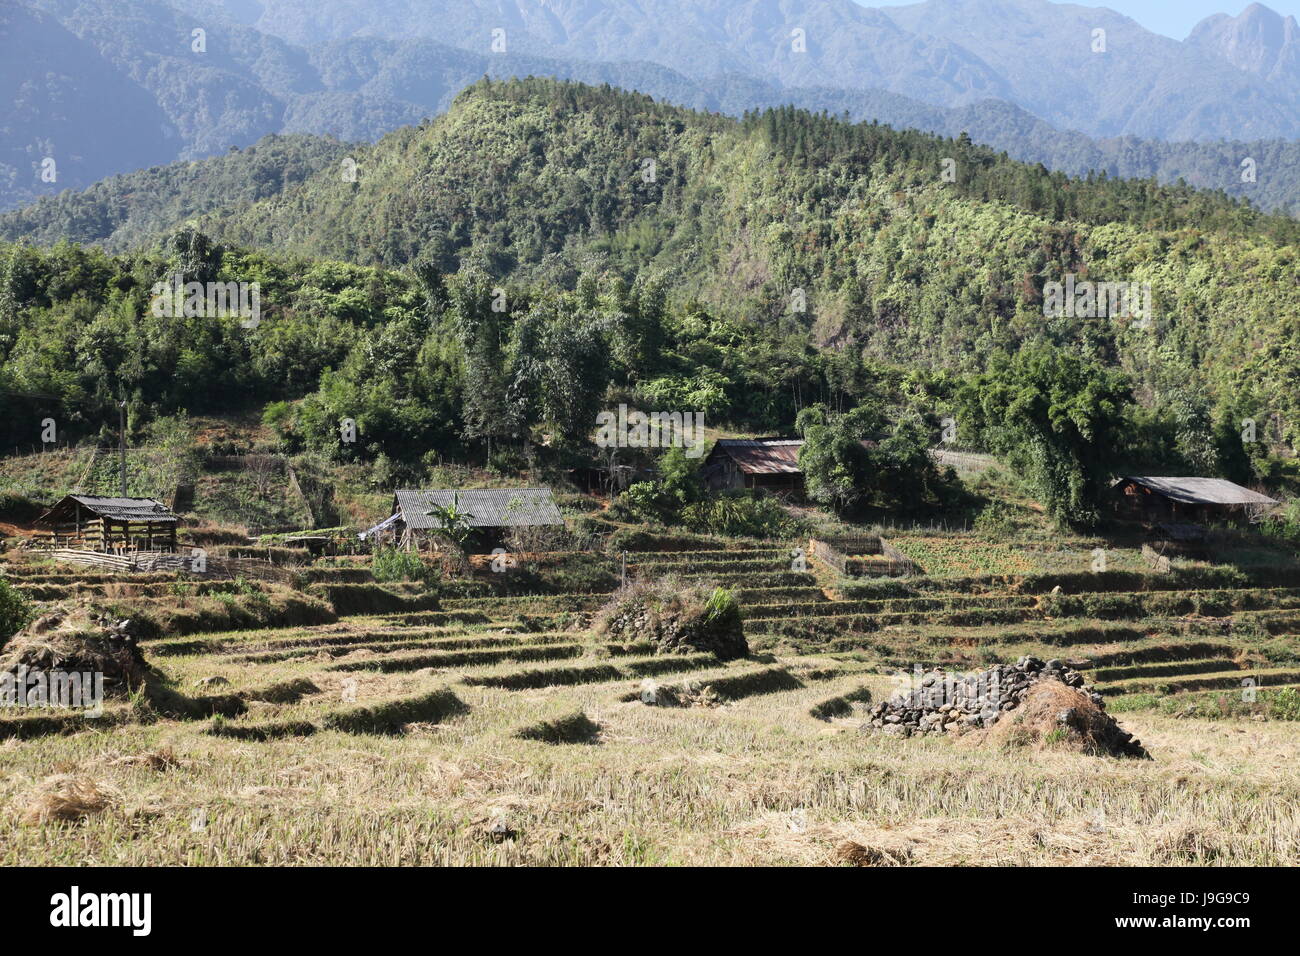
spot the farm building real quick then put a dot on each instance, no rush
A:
(488, 513)
(1185, 499)
(92, 523)
(771, 464)
(768, 464)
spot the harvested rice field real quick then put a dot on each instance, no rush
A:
(491, 729)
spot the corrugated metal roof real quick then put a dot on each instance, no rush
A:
(762, 456)
(766, 456)
(1201, 491)
(122, 509)
(485, 507)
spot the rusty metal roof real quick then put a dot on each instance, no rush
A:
(762, 456)
(484, 507)
(1201, 491)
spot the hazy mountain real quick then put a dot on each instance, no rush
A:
(843, 44)
(1036, 54)
(1138, 83)
(1258, 41)
(61, 101)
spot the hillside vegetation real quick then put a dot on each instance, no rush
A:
(517, 263)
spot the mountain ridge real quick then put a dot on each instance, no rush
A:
(360, 87)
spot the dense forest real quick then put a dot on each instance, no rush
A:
(493, 278)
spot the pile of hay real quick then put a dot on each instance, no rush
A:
(1054, 716)
(80, 638)
(1030, 702)
(67, 798)
(676, 619)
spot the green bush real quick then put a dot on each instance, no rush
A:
(994, 523)
(392, 564)
(15, 611)
(740, 514)
(1284, 704)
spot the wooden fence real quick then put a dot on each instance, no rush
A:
(152, 561)
(862, 556)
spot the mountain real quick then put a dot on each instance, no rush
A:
(1258, 41)
(495, 175)
(1033, 53)
(61, 101)
(1141, 84)
(133, 60)
(123, 211)
(845, 44)
(133, 91)
(130, 209)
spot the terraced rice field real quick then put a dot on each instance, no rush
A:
(502, 729)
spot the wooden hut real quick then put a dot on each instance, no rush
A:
(765, 464)
(771, 464)
(91, 523)
(1155, 499)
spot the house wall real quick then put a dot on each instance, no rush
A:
(777, 484)
(727, 475)
(1139, 503)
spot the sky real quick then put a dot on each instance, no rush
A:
(1174, 18)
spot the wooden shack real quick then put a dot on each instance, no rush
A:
(770, 464)
(763, 464)
(1158, 499)
(110, 525)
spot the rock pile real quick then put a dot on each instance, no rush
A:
(677, 622)
(81, 639)
(943, 703)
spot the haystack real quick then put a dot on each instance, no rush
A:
(1054, 716)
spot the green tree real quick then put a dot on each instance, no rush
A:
(1058, 420)
(837, 466)
(478, 313)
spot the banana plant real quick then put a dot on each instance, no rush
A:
(452, 522)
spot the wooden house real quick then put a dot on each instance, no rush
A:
(113, 525)
(489, 513)
(770, 464)
(765, 464)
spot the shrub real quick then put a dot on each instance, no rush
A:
(15, 611)
(740, 514)
(393, 564)
(678, 618)
(994, 522)
(1284, 704)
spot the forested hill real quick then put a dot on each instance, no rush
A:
(796, 231)
(133, 209)
(524, 167)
